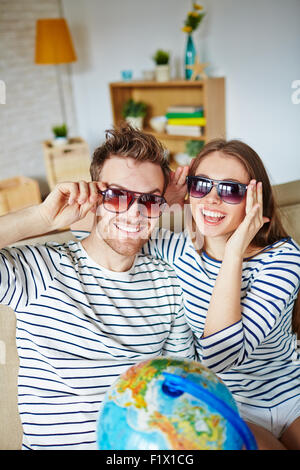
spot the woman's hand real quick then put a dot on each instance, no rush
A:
(225, 305)
(240, 240)
(177, 188)
(70, 202)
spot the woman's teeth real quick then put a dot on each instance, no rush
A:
(211, 215)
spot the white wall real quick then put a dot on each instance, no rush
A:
(255, 45)
(114, 35)
(32, 99)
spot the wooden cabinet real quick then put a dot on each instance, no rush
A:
(18, 193)
(209, 93)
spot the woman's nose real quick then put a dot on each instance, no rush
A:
(212, 197)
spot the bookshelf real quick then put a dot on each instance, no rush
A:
(210, 93)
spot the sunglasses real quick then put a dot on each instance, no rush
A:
(120, 200)
(228, 191)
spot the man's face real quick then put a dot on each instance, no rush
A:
(128, 231)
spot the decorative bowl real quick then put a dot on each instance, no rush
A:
(158, 123)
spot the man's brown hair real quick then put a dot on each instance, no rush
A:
(126, 141)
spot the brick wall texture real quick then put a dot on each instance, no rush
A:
(32, 96)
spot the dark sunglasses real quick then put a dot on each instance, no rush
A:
(229, 191)
(120, 200)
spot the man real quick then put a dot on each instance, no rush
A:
(86, 311)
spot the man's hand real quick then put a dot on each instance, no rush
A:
(177, 188)
(70, 202)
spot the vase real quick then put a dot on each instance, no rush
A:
(190, 56)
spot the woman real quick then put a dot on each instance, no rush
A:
(240, 287)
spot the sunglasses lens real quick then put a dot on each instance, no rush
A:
(198, 187)
(232, 193)
(116, 200)
(150, 205)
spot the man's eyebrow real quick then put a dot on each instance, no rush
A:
(156, 190)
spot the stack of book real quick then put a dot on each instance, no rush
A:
(185, 120)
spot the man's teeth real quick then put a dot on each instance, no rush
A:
(128, 228)
(212, 214)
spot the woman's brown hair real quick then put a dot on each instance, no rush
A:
(272, 231)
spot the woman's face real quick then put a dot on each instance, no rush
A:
(213, 217)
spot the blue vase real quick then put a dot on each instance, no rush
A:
(190, 56)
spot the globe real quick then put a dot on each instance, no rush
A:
(170, 404)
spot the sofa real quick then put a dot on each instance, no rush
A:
(288, 198)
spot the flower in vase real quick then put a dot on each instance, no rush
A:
(193, 19)
(187, 29)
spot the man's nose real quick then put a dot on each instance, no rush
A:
(134, 209)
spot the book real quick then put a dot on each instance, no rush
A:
(184, 115)
(195, 131)
(201, 121)
(184, 109)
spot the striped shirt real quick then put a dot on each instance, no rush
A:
(79, 326)
(257, 356)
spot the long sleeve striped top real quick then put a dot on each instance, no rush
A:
(257, 356)
(79, 326)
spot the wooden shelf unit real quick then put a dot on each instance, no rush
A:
(210, 93)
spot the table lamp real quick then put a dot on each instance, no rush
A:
(53, 46)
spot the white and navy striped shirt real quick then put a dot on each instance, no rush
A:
(79, 326)
(255, 357)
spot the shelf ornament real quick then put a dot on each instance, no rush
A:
(191, 23)
(197, 69)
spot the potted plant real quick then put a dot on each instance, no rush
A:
(134, 112)
(162, 69)
(193, 147)
(60, 134)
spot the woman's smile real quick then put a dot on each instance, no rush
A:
(212, 216)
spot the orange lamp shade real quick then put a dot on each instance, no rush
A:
(53, 43)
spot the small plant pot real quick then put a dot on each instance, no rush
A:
(60, 141)
(162, 73)
(136, 122)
